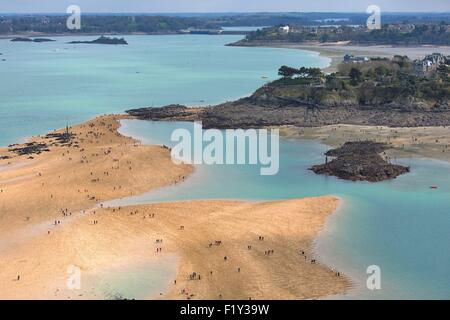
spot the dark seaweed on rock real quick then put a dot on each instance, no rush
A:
(167, 112)
(30, 148)
(102, 40)
(61, 138)
(359, 147)
(360, 161)
(267, 108)
(31, 40)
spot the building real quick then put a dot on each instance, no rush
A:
(429, 64)
(285, 29)
(348, 58)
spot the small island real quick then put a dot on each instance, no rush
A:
(20, 39)
(103, 40)
(360, 161)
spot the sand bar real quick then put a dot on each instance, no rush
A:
(50, 221)
(199, 233)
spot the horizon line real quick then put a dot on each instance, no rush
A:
(228, 12)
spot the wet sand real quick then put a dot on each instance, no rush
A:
(51, 220)
(141, 235)
(424, 142)
(99, 165)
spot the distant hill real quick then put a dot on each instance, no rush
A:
(174, 23)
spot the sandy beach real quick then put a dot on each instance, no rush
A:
(336, 51)
(424, 142)
(51, 219)
(97, 165)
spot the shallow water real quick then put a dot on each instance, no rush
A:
(44, 85)
(139, 281)
(402, 225)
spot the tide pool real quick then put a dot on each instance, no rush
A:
(45, 85)
(402, 226)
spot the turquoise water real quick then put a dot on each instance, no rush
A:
(43, 85)
(402, 226)
(144, 280)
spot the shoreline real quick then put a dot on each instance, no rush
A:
(327, 256)
(336, 51)
(404, 142)
(98, 239)
(50, 35)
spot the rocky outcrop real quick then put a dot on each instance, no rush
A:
(31, 40)
(29, 148)
(281, 105)
(103, 40)
(167, 112)
(359, 161)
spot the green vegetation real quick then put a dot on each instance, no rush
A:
(99, 24)
(103, 40)
(142, 23)
(395, 34)
(377, 83)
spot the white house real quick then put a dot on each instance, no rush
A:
(285, 29)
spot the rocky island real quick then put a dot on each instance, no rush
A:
(32, 40)
(379, 92)
(360, 161)
(103, 40)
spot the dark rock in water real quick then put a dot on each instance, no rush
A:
(102, 40)
(359, 147)
(22, 40)
(170, 112)
(43, 40)
(360, 161)
(265, 109)
(31, 40)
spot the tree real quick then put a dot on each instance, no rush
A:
(315, 72)
(443, 71)
(287, 72)
(355, 75)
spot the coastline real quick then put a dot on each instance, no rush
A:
(336, 51)
(132, 249)
(60, 226)
(404, 142)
